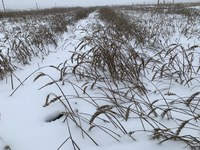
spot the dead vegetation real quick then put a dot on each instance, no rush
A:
(119, 57)
(29, 34)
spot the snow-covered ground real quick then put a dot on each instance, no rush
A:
(24, 121)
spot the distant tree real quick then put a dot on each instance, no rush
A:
(158, 2)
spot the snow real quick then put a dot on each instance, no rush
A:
(23, 119)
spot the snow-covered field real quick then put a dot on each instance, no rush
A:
(60, 101)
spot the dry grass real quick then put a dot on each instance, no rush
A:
(29, 34)
(119, 58)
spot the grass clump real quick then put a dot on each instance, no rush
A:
(181, 9)
(122, 25)
(5, 66)
(82, 13)
(110, 55)
(28, 37)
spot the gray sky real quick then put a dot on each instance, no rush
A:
(27, 4)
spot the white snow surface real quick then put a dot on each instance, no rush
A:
(22, 115)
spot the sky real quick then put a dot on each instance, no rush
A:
(31, 4)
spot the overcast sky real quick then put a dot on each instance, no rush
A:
(31, 4)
